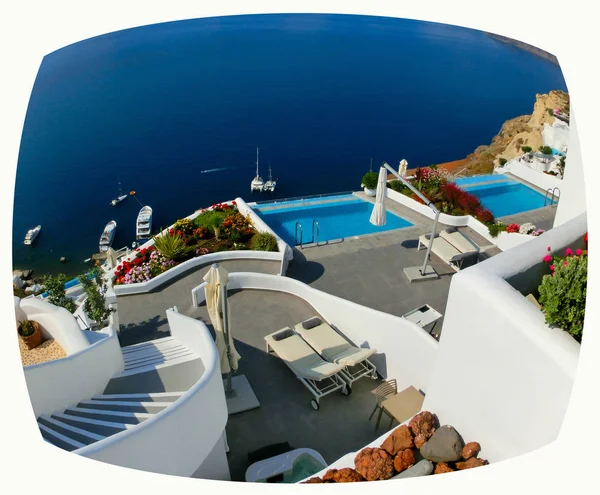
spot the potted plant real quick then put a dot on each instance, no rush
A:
(30, 333)
(369, 183)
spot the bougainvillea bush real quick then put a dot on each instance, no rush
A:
(219, 228)
(563, 291)
(447, 196)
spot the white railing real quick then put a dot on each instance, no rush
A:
(179, 438)
(405, 351)
(56, 385)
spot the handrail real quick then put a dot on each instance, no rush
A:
(300, 198)
(552, 196)
(298, 224)
(316, 222)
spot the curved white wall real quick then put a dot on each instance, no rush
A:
(539, 179)
(56, 385)
(405, 351)
(177, 439)
(56, 323)
(163, 278)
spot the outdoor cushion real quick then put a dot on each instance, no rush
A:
(459, 241)
(311, 322)
(283, 334)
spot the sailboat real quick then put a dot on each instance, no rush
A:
(143, 224)
(257, 183)
(120, 197)
(107, 237)
(270, 184)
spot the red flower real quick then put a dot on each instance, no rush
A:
(585, 237)
(578, 252)
(569, 252)
(513, 228)
(547, 258)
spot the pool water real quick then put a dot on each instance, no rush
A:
(304, 466)
(337, 219)
(501, 195)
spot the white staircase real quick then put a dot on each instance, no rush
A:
(104, 415)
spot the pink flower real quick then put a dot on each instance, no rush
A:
(547, 258)
(552, 267)
(569, 252)
(579, 252)
(565, 263)
(548, 248)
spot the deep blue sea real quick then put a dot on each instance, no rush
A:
(176, 111)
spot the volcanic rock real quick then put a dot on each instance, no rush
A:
(442, 467)
(470, 450)
(471, 463)
(374, 464)
(400, 439)
(445, 445)
(313, 480)
(423, 424)
(404, 460)
(345, 475)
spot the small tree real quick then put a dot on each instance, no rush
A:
(55, 287)
(95, 289)
(526, 149)
(502, 161)
(546, 150)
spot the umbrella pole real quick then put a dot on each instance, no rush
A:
(228, 387)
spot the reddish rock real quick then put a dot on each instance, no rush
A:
(471, 463)
(400, 439)
(404, 460)
(424, 424)
(471, 450)
(374, 464)
(313, 480)
(345, 475)
(442, 467)
(420, 440)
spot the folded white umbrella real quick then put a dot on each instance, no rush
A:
(378, 214)
(217, 278)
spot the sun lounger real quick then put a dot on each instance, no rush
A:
(445, 251)
(460, 241)
(318, 376)
(336, 349)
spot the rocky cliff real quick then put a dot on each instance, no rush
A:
(525, 130)
(525, 46)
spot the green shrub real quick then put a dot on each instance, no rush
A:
(563, 293)
(434, 167)
(55, 287)
(264, 241)
(210, 219)
(496, 228)
(369, 180)
(398, 186)
(95, 289)
(550, 111)
(526, 149)
(502, 161)
(27, 328)
(546, 150)
(171, 247)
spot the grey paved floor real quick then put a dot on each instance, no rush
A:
(542, 218)
(142, 317)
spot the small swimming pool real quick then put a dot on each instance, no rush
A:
(344, 216)
(501, 195)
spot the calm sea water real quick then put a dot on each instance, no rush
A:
(177, 110)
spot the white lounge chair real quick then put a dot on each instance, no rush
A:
(336, 349)
(318, 376)
(445, 251)
(460, 241)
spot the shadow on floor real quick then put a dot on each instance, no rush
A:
(302, 269)
(136, 333)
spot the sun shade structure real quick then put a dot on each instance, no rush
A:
(215, 291)
(378, 214)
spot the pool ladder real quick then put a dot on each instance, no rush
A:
(550, 195)
(315, 223)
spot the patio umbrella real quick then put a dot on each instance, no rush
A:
(378, 215)
(216, 303)
(111, 256)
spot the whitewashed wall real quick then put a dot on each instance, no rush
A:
(501, 376)
(178, 439)
(573, 195)
(405, 351)
(539, 179)
(56, 385)
(55, 323)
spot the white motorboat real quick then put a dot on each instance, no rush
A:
(121, 197)
(107, 237)
(143, 225)
(270, 184)
(257, 183)
(31, 235)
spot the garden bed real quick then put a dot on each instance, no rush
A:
(220, 228)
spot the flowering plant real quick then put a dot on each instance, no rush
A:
(527, 228)
(538, 232)
(513, 228)
(563, 291)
